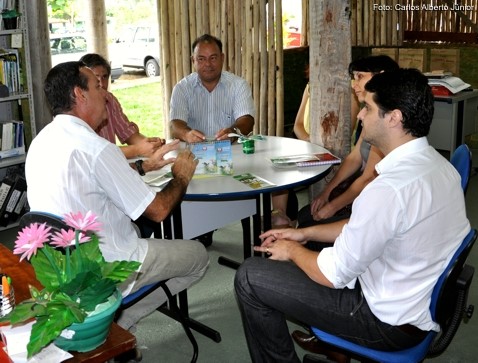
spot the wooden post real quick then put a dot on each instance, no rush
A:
(96, 32)
(230, 36)
(304, 35)
(329, 79)
(256, 77)
(237, 36)
(279, 72)
(165, 69)
(353, 22)
(38, 34)
(263, 111)
(359, 28)
(185, 44)
(177, 43)
(271, 77)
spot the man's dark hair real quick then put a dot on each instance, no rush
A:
(59, 84)
(207, 38)
(407, 90)
(374, 64)
(95, 60)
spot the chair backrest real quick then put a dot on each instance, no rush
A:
(461, 160)
(52, 220)
(445, 295)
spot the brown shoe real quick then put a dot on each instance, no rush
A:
(310, 343)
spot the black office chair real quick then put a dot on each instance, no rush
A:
(448, 307)
(172, 309)
(462, 161)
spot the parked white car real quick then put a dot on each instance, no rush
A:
(138, 47)
(71, 47)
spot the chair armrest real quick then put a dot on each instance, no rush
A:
(466, 276)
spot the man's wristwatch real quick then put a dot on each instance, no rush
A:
(139, 167)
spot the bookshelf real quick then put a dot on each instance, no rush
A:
(17, 105)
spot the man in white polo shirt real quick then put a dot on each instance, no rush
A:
(373, 286)
(69, 168)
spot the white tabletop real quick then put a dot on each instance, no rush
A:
(220, 187)
(228, 200)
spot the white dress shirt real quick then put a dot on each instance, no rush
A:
(207, 111)
(69, 168)
(404, 228)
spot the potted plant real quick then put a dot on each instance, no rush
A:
(10, 17)
(76, 278)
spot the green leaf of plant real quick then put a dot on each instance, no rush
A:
(48, 328)
(90, 251)
(96, 294)
(119, 270)
(25, 311)
(45, 270)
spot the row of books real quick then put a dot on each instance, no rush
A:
(13, 198)
(10, 71)
(12, 141)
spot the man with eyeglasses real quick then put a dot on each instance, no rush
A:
(210, 103)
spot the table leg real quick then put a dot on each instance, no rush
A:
(247, 241)
(168, 227)
(266, 211)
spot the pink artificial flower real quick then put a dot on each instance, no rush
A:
(30, 239)
(67, 238)
(83, 223)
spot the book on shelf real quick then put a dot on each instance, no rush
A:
(16, 201)
(304, 160)
(253, 181)
(215, 157)
(10, 70)
(11, 139)
(6, 188)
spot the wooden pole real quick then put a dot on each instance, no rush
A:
(185, 54)
(304, 31)
(248, 51)
(359, 22)
(237, 37)
(263, 111)
(256, 78)
(367, 27)
(394, 29)
(192, 21)
(271, 71)
(96, 32)
(329, 80)
(224, 31)
(383, 25)
(165, 58)
(230, 36)
(353, 22)
(280, 71)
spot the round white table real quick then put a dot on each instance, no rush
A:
(225, 187)
(212, 202)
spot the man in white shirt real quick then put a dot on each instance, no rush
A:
(69, 168)
(373, 286)
(210, 103)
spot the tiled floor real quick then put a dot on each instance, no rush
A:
(212, 302)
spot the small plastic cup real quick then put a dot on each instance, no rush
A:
(248, 147)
